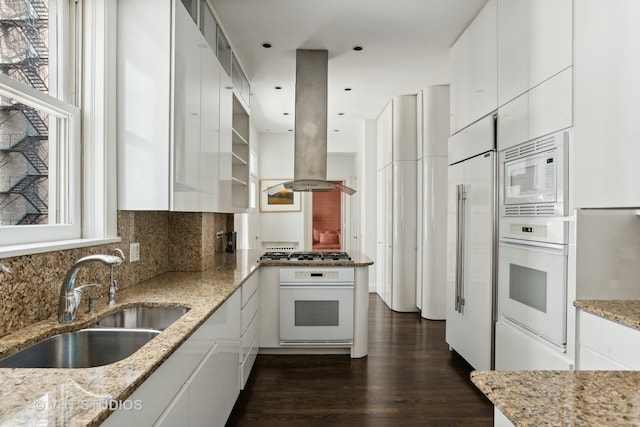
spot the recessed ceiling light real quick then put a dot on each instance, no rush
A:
(348, 89)
(266, 45)
(358, 48)
(278, 87)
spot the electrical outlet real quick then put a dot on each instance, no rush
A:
(134, 252)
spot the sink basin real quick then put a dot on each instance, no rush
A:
(85, 348)
(158, 318)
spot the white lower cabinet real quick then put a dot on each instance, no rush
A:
(177, 412)
(499, 419)
(214, 387)
(199, 383)
(250, 321)
(606, 345)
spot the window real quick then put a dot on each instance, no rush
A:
(40, 129)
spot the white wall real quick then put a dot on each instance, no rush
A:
(276, 162)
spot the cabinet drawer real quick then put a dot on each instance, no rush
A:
(161, 387)
(249, 311)
(605, 344)
(249, 339)
(224, 323)
(249, 287)
(247, 365)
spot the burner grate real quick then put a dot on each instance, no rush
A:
(305, 256)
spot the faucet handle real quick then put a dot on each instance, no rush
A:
(80, 288)
(118, 252)
(77, 292)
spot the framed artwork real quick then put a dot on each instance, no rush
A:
(283, 201)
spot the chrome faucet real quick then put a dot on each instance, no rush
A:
(69, 297)
(113, 284)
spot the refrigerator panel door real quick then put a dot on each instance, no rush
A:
(470, 332)
(479, 259)
(454, 326)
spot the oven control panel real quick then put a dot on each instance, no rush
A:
(531, 230)
(324, 275)
(314, 275)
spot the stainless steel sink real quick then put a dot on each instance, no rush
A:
(158, 318)
(85, 348)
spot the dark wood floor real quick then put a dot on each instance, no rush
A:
(410, 378)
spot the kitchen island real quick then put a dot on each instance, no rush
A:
(570, 398)
(79, 397)
(563, 398)
(353, 303)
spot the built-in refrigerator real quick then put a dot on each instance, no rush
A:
(471, 243)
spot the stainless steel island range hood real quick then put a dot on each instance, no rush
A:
(310, 150)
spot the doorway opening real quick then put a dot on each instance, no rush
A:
(327, 220)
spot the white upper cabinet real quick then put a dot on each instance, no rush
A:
(209, 130)
(550, 41)
(534, 69)
(175, 111)
(460, 83)
(474, 70)
(187, 117)
(513, 49)
(534, 44)
(143, 67)
(606, 103)
(483, 63)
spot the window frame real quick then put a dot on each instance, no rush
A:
(91, 79)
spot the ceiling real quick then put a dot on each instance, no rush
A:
(405, 48)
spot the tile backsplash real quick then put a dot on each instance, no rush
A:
(169, 241)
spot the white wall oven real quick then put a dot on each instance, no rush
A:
(532, 288)
(316, 305)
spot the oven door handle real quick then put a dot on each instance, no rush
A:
(315, 286)
(547, 248)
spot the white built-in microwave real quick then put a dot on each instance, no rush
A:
(533, 177)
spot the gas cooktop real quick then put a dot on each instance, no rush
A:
(305, 256)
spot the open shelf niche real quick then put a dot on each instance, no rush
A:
(240, 155)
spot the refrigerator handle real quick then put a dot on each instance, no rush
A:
(459, 243)
(463, 198)
(456, 299)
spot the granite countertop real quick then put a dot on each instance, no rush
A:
(82, 396)
(626, 312)
(570, 398)
(564, 398)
